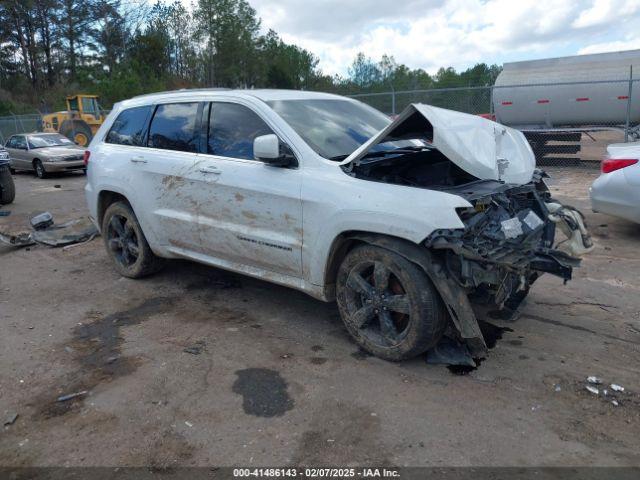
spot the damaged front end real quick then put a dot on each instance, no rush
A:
(509, 235)
(509, 239)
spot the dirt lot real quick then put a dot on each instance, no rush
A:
(277, 380)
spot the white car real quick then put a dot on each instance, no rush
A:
(617, 190)
(408, 224)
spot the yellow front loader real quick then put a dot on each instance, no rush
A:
(79, 122)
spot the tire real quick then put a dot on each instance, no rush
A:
(399, 321)
(78, 132)
(7, 187)
(39, 169)
(126, 244)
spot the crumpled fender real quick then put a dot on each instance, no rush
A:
(454, 297)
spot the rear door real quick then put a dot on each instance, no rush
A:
(168, 174)
(250, 213)
(150, 151)
(18, 151)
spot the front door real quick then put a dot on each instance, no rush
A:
(250, 213)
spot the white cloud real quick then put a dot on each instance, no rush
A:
(434, 33)
(628, 44)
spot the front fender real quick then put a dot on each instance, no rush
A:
(411, 221)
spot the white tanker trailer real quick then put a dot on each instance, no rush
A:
(554, 101)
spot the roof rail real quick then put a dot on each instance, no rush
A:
(212, 89)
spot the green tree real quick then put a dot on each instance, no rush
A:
(364, 72)
(229, 30)
(285, 65)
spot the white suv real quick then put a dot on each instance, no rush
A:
(409, 224)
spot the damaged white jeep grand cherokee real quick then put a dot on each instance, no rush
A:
(415, 226)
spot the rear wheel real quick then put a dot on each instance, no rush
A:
(39, 169)
(388, 304)
(126, 244)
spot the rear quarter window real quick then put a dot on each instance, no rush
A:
(129, 127)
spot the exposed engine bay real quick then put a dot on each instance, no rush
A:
(508, 241)
(413, 167)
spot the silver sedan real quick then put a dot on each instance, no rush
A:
(44, 153)
(617, 190)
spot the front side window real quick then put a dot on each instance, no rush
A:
(232, 129)
(18, 142)
(174, 127)
(129, 127)
(73, 104)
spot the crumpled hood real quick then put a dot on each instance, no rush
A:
(485, 149)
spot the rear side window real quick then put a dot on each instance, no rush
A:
(128, 129)
(174, 127)
(17, 142)
(232, 128)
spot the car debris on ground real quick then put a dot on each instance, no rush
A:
(46, 232)
(16, 237)
(450, 351)
(11, 419)
(604, 393)
(196, 348)
(593, 390)
(41, 221)
(75, 231)
(71, 396)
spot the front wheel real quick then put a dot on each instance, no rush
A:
(126, 244)
(388, 304)
(39, 169)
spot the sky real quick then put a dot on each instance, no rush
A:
(430, 34)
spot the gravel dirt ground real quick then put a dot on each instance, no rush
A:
(270, 376)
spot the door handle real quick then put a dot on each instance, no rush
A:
(138, 159)
(210, 170)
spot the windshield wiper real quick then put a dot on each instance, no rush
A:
(384, 153)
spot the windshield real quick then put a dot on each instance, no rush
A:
(334, 128)
(49, 141)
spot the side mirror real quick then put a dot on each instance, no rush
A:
(268, 149)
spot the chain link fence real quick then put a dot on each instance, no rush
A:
(12, 124)
(566, 124)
